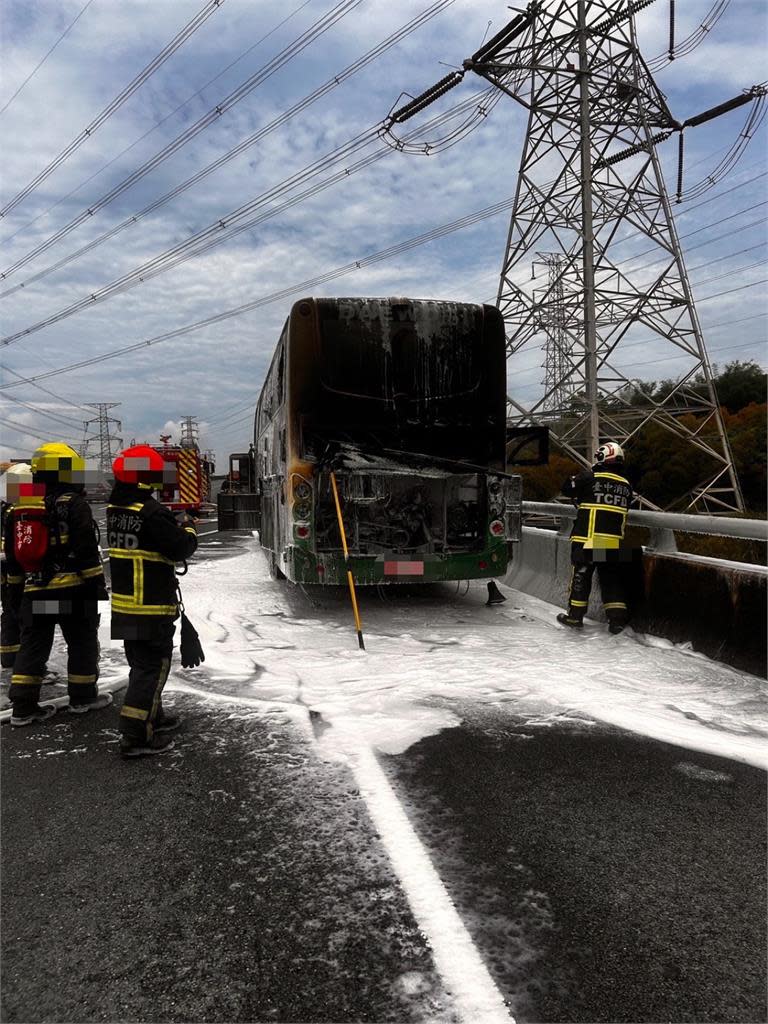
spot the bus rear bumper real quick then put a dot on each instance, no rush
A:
(369, 570)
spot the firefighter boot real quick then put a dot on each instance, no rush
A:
(569, 619)
(495, 596)
(31, 715)
(130, 747)
(84, 706)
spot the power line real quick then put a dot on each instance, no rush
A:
(61, 398)
(240, 220)
(730, 273)
(43, 412)
(178, 40)
(342, 8)
(332, 83)
(34, 71)
(384, 254)
(157, 124)
(432, 235)
(21, 429)
(709, 327)
(705, 227)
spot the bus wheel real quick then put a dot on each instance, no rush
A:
(274, 569)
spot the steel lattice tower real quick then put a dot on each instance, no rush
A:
(104, 438)
(557, 308)
(590, 179)
(189, 432)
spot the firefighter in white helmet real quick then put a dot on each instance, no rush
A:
(602, 497)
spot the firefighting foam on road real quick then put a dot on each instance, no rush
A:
(430, 649)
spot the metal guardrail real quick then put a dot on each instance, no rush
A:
(662, 524)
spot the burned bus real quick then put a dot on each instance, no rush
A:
(404, 401)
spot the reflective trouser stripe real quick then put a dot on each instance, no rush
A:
(81, 679)
(614, 604)
(26, 680)
(580, 604)
(165, 668)
(9, 648)
(138, 713)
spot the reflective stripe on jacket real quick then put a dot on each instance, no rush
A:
(145, 543)
(603, 498)
(73, 558)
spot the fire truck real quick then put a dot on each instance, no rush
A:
(191, 490)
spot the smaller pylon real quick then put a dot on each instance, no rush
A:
(104, 439)
(190, 432)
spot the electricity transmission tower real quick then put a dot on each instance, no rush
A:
(190, 432)
(104, 439)
(557, 309)
(589, 182)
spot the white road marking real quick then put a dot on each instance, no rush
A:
(466, 978)
(456, 958)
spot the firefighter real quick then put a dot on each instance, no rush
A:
(11, 587)
(51, 540)
(145, 542)
(602, 497)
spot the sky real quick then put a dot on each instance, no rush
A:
(95, 49)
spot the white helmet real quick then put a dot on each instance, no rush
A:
(609, 452)
(17, 473)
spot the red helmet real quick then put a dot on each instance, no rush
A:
(144, 466)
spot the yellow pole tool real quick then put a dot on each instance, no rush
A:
(350, 581)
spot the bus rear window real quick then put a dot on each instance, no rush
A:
(382, 350)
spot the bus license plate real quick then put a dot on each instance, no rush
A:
(403, 568)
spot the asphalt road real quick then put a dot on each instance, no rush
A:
(601, 876)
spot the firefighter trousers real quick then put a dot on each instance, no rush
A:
(10, 627)
(149, 655)
(80, 628)
(612, 589)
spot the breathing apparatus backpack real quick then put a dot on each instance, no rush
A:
(31, 536)
(37, 535)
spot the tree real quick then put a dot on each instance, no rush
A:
(741, 384)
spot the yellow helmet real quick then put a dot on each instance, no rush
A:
(59, 460)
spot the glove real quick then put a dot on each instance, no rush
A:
(192, 653)
(185, 519)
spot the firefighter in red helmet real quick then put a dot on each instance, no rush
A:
(146, 541)
(51, 542)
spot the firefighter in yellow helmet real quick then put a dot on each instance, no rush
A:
(146, 541)
(51, 540)
(11, 587)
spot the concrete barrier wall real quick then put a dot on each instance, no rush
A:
(719, 607)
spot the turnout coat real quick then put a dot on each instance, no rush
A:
(602, 496)
(145, 543)
(72, 570)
